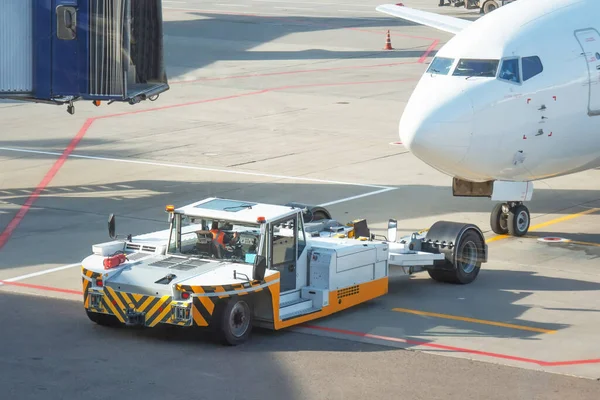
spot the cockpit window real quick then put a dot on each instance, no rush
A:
(510, 70)
(532, 66)
(440, 66)
(485, 68)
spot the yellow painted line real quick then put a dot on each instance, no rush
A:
(582, 243)
(566, 241)
(476, 321)
(548, 223)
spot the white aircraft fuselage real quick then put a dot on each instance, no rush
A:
(512, 98)
(488, 127)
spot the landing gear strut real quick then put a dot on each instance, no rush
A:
(510, 218)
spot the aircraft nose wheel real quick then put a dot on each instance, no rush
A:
(512, 219)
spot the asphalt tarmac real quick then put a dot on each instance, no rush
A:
(280, 101)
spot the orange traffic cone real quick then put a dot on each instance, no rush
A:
(388, 42)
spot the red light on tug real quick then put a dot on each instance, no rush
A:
(185, 295)
(114, 261)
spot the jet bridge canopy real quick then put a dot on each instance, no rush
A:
(60, 51)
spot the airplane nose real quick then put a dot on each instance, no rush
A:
(438, 134)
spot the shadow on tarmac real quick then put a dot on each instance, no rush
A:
(52, 351)
(67, 220)
(57, 352)
(213, 37)
(496, 296)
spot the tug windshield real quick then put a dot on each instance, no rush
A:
(218, 239)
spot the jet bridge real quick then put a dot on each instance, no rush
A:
(62, 51)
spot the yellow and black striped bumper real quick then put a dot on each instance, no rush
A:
(87, 277)
(206, 298)
(153, 309)
(197, 311)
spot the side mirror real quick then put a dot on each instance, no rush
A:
(260, 267)
(111, 226)
(392, 230)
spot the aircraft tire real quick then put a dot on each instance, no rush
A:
(518, 220)
(498, 220)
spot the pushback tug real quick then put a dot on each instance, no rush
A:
(280, 265)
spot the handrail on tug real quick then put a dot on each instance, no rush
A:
(62, 51)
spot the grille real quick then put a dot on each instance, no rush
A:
(168, 262)
(349, 291)
(136, 256)
(177, 263)
(135, 246)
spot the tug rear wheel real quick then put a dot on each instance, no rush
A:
(467, 262)
(236, 322)
(464, 248)
(102, 319)
(311, 213)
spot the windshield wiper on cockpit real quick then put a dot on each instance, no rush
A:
(477, 74)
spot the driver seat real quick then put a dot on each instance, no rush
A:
(204, 241)
(216, 249)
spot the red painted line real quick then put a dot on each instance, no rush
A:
(296, 20)
(382, 32)
(368, 335)
(428, 51)
(263, 91)
(453, 348)
(12, 225)
(6, 234)
(425, 344)
(39, 287)
(191, 103)
(207, 79)
(574, 362)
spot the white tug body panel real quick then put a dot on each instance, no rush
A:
(286, 269)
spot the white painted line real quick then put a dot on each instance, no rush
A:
(315, 2)
(357, 197)
(383, 17)
(359, 11)
(222, 170)
(231, 5)
(294, 8)
(249, 13)
(39, 273)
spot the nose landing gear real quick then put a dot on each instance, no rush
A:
(510, 218)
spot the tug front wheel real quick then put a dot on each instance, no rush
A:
(235, 324)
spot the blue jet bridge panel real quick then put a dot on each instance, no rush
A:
(61, 51)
